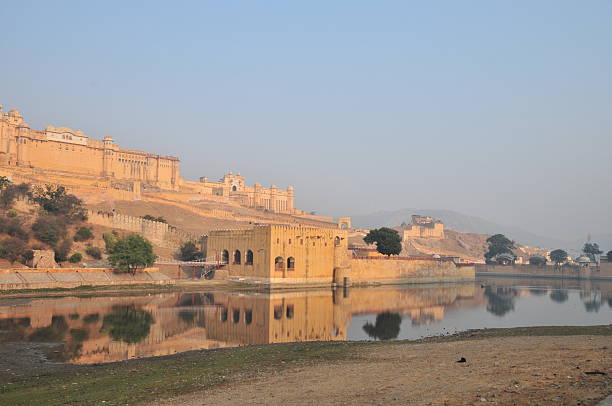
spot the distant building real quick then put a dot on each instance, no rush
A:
(422, 227)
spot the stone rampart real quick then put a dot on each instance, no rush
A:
(603, 271)
(161, 234)
(53, 278)
(383, 270)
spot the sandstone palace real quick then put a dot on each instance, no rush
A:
(65, 152)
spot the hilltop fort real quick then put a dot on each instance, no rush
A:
(70, 154)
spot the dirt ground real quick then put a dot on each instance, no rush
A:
(569, 370)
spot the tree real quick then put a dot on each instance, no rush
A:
(386, 327)
(55, 200)
(63, 250)
(498, 244)
(13, 249)
(388, 241)
(609, 255)
(591, 250)
(558, 256)
(189, 251)
(159, 219)
(537, 260)
(75, 258)
(131, 253)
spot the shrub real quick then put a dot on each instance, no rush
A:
(12, 249)
(49, 229)
(83, 234)
(10, 192)
(159, 219)
(63, 250)
(13, 227)
(55, 200)
(75, 258)
(94, 252)
(11, 213)
(109, 240)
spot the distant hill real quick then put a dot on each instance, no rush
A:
(459, 222)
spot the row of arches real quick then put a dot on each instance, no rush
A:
(237, 257)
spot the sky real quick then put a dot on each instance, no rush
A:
(501, 110)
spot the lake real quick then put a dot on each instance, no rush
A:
(83, 330)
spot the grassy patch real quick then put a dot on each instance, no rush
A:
(139, 381)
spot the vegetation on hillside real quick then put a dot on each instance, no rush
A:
(499, 244)
(189, 251)
(388, 241)
(131, 253)
(159, 219)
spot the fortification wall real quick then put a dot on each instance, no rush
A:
(604, 271)
(53, 278)
(160, 234)
(403, 270)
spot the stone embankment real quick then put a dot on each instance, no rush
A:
(53, 278)
(601, 272)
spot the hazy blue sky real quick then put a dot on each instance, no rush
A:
(497, 109)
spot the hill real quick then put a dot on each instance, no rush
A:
(458, 222)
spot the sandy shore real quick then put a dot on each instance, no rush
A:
(521, 366)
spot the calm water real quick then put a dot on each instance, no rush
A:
(105, 329)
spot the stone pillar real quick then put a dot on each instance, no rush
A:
(273, 198)
(290, 199)
(107, 157)
(257, 195)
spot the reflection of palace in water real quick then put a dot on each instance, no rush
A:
(92, 329)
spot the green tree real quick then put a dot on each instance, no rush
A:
(386, 326)
(558, 256)
(537, 260)
(498, 244)
(592, 250)
(56, 200)
(189, 251)
(83, 234)
(388, 241)
(128, 324)
(131, 253)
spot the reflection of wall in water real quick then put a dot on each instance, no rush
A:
(198, 321)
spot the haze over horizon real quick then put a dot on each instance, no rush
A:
(497, 110)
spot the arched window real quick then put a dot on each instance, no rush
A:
(234, 188)
(290, 263)
(236, 315)
(237, 257)
(279, 263)
(248, 316)
(225, 257)
(248, 260)
(337, 241)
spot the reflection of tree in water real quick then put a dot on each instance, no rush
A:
(386, 327)
(128, 324)
(53, 333)
(592, 300)
(14, 329)
(559, 295)
(196, 299)
(501, 300)
(538, 291)
(610, 301)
